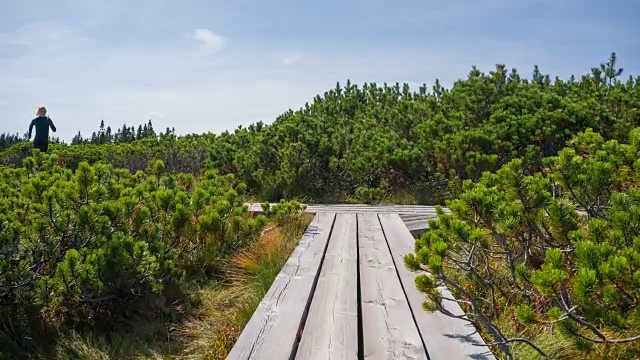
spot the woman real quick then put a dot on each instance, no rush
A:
(42, 124)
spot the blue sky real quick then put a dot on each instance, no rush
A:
(204, 66)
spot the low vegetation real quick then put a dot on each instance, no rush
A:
(99, 250)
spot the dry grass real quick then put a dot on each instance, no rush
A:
(225, 311)
(551, 342)
(218, 313)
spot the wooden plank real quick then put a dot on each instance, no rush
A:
(272, 330)
(361, 208)
(331, 329)
(389, 331)
(409, 217)
(445, 337)
(374, 209)
(417, 221)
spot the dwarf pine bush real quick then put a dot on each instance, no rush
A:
(515, 254)
(79, 247)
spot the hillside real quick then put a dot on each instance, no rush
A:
(147, 225)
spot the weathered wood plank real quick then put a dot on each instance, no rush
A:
(331, 329)
(360, 208)
(272, 330)
(417, 222)
(409, 217)
(444, 337)
(389, 331)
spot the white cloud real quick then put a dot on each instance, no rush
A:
(290, 60)
(211, 42)
(154, 114)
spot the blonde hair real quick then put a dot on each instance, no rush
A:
(41, 111)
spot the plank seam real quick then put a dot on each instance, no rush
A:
(307, 306)
(395, 266)
(359, 293)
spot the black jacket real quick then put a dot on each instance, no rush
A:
(42, 124)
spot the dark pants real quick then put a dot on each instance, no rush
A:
(42, 146)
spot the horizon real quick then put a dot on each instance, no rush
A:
(204, 67)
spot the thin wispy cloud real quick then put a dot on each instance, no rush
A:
(290, 60)
(210, 42)
(203, 67)
(39, 36)
(154, 114)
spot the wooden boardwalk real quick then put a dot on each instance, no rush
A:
(345, 294)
